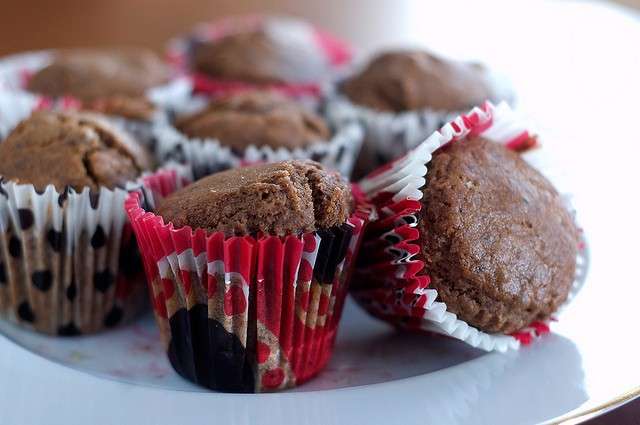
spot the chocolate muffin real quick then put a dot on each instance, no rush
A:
(497, 241)
(265, 55)
(256, 118)
(92, 74)
(399, 81)
(70, 149)
(288, 197)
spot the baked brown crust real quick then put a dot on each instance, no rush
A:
(258, 57)
(70, 149)
(400, 81)
(283, 198)
(499, 245)
(256, 118)
(92, 74)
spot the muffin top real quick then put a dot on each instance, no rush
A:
(498, 243)
(400, 81)
(70, 149)
(267, 55)
(91, 74)
(282, 198)
(256, 118)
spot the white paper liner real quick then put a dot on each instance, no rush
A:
(404, 177)
(61, 259)
(389, 135)
(208, 155)
(16, 104)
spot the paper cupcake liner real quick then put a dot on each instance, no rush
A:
(336, 52)
(393, 286)
(389, 135)
(16, 104)
(243, 314)
(69, 263)
(207, 156)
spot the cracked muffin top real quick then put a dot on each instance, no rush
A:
(70, 149)
(260, 118)
(92, 74)
(409, 80)
(498, 242)
(282, 198)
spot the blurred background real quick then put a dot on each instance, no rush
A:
(545, 47)
(28, 25)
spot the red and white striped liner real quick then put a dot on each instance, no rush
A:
(393, 286)
(294, 315)
(337, 53)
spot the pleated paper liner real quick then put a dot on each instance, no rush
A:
(390, 282)
(243, 314)
(208, 156)
(69, 263)
(337, 55)
(389, 135)
(16, 103)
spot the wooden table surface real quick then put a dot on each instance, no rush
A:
(368, 24)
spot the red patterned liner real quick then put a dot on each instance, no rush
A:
(390, 283)
(338, 54)
(243, 314)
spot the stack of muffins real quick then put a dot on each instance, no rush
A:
(234, 199)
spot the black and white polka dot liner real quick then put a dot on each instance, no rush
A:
(42, 280)
(60, 259)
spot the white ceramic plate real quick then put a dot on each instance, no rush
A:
(575, 66)
(376, 376)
